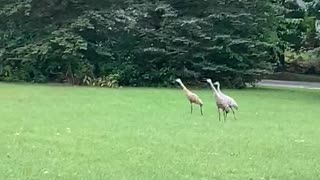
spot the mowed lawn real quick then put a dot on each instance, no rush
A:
(56, 132)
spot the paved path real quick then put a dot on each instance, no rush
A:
(290, 84)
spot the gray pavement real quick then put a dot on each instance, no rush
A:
(289, 84)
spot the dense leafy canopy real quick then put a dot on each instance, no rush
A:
(298, 27)
(144, 43)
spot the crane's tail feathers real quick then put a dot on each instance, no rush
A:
(200, 102)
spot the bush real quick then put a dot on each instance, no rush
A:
(145, 43)
(104, 81)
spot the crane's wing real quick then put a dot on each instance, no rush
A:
(231, 102)
(196, 98)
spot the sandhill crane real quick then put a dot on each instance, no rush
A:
(221, 102)
(231, 102)
(192, 97)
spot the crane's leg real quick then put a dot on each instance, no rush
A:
(191, 107)
(219, 114)
(201, 110)
(224, 115)
(234, 114)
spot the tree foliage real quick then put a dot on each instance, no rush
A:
(138, 43)
(298, 28)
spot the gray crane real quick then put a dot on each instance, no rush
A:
(221, 102)
(231, 102)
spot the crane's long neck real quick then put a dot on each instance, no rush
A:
(185, 89)
(218, 87)
(213, 88)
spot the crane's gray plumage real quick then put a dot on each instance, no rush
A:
(221, 102)
(231, 102)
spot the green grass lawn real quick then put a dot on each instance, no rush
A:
(49, 132)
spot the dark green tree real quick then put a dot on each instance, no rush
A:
(140, 43)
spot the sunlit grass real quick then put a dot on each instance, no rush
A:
(49, 132)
